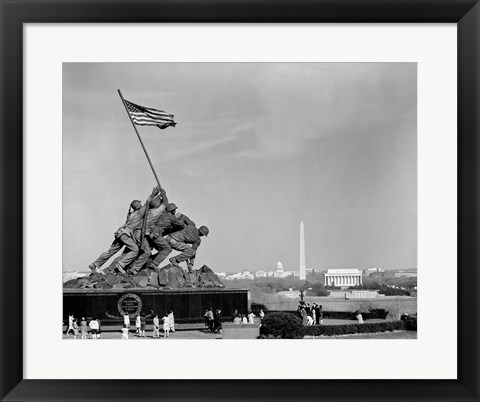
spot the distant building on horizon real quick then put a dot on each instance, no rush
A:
(279, 272)
(343, 277)
(374, 272)
(67, 276)
(408, 272)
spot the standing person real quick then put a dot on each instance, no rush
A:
(83, 328)
(314, 313)
(317, 314)
(70, 324)
(143, 325)
(187, 241)
(75, 329)
(99, 328)
(206, 316)
(210, 318)
(320, 314)
(126, 320)
(124, 332)
(304, 316)
(359, 317)
(166, 326)
(251, 316)
(217, 321)
(138, 323)
(171, 321)
(156, 327)
(124, 236)
(94, 328)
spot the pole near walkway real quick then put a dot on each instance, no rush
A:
(140, 139)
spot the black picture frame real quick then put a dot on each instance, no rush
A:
(14, 13)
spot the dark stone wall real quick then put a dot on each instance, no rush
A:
(187, 305)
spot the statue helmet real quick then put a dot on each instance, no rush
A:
(171, 207)
(155, 203)
(203, 230)
(135, 204)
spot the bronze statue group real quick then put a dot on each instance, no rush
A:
(154, 225)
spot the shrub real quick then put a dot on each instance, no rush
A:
(282, 325)
(332, 330)
(375, 313)
(410, 324)
(343, 315)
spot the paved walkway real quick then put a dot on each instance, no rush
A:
(183, 331)
(186, 334)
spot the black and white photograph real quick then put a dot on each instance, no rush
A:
(239, 201)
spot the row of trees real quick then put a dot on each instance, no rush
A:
(316, 288)
(260, 286)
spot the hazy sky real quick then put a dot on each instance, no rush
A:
(258, 148)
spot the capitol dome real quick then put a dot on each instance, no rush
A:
(279, 266)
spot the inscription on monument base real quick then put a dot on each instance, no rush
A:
(130, 304)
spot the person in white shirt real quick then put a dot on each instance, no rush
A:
(166, 326)
(94, 328)
(171, 321)
(244, 319)
(251, 316)
(124, 332)
(70, 324)
(138, 323)
(156, 327)
(126, 320)
(359, 317)
(309, 320)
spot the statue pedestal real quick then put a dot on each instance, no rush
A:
(188, 304)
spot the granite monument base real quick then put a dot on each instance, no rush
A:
(188, 305)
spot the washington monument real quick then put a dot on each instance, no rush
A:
(303, 274)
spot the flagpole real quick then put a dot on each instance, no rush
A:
(140, 139)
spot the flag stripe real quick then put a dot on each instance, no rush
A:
(158, 112)
(154, 121)
(147, 117)
(144, 116)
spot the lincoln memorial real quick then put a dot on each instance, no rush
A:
(343, 277)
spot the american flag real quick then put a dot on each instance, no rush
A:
(145, 116)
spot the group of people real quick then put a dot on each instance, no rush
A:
(310, 314)
(155, 225)
(168, 321)
(247, 319)
(94, 327)
(73, 328)
(213, 320)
